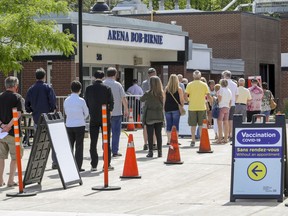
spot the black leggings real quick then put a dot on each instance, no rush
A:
(158, 132)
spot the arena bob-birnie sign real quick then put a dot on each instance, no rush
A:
(119, 35)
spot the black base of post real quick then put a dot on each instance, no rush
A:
(103, 188)
(131, 177)
(23, 194)
(179, 162)
(204, 151)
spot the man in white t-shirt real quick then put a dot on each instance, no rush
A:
(234, 90)
(243, 98)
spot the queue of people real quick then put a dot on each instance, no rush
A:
(156, 104)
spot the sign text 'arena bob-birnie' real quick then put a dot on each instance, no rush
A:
(135, 37)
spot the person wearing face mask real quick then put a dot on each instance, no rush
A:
(254, 105)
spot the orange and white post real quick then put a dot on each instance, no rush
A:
(105, 135)
(105, 143)
(18, 148)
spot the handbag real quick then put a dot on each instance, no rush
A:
(181, 108)
(215, 110)
(273, 105)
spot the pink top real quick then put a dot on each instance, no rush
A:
(256, 94)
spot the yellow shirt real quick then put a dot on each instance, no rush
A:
(197, 90)
(244, 95)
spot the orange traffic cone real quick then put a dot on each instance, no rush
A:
(130, 125)
(204, 140)
(139, 125)
(174, 153)
(130, 166)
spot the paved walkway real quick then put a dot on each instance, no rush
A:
(201, 186)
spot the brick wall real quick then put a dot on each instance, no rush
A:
(235, 35)
(177, 69)
(284, 37)
(63, 72)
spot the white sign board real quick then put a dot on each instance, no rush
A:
(184, 128)
(62, 148)
(257, 161)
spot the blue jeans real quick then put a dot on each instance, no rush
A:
(116, 131)
(172, 118)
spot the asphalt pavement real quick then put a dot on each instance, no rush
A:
(200, 186)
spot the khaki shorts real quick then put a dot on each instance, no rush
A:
(8, 145)
(196, 117)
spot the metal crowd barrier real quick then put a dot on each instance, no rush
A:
(27, 125)
(134, 106)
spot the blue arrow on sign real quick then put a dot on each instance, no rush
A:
(254, 170)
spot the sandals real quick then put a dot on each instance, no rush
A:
(3, 184)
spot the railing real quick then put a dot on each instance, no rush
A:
(60, 102)
(134, 106)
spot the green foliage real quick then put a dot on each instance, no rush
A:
(23, 34)
(87, 4)
(205, 5)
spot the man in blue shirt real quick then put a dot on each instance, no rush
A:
(40, 99)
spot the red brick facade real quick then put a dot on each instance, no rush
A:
(63, 72)
(284, 49)
(233, 35)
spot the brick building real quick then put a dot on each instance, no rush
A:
(284, 56)
(233, 35)
(130, 45)
(253, 39)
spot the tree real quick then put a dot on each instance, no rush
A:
(24, 32)
(205, 5)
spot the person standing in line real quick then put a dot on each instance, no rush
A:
(185, 82)
(234, 90)
(265, 105)
(173, 97)
(8, 100)
(135, 89)
(97, 95)
(146, 87)
(254, 106)
(243, 99)
(224, 97)
(211, 85)
(196, 93)
(40, 99)
(153, 114)
(181, 85)
(76, 112)
(116, 116)
(215, 101)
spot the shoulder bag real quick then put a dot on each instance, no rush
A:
(181, 108)
(273, 105)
